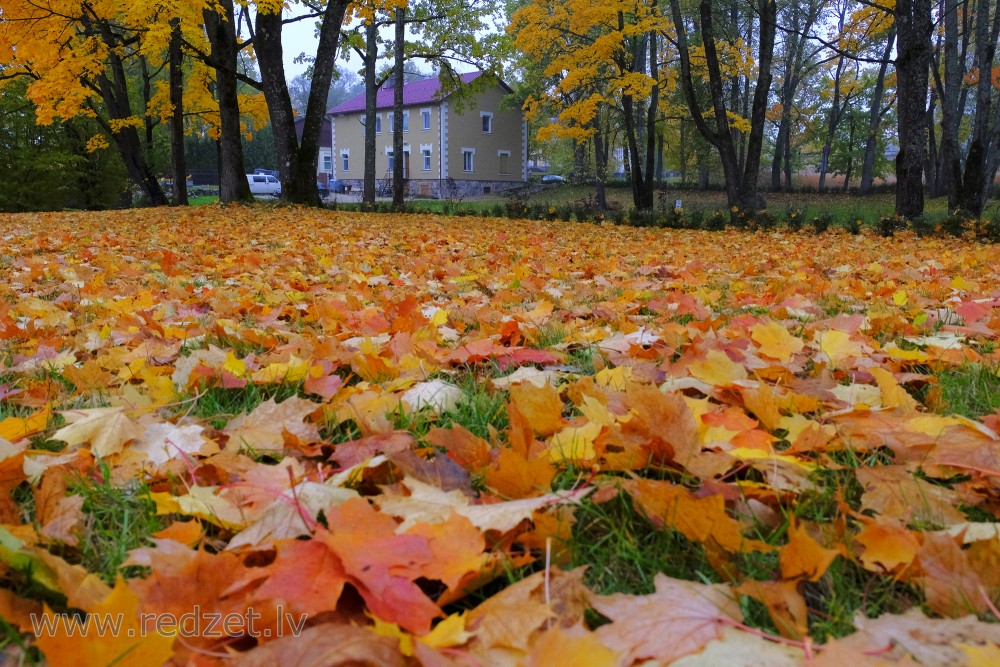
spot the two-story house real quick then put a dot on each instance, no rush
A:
(446, 152)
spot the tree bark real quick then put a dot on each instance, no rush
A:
(220, 28)
(297, 158)
(371, 97)
(913, 30)
(399, 54)
(975, 179)
(177, 116)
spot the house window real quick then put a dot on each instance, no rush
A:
(346, 158)
(327, 163)
(425, 114)
(391, 158)
(425, 153)
(406, 121)
(504, 159)
(392, 121)
(378, 123)
(487, 118)
(468, 157)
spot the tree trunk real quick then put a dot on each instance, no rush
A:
(267, 47)
(975, 185)
(297, 158)
(741, 188)
(875, 120)
(115, 95)
(601, 163)
(660, 140)
(850, 153)
(399, 52)
(913, 29)
(779, 150)
(371, 96)
(949, 159)
(931, 170)
(233, 185)
(750, 198)
(177, 116)
(147, 95)
(651, 111)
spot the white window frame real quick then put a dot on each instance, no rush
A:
(502, 154)
(425, 155)
(469, 158)
(406, 122)
(378, 123)
(328, 163)
(486, 115)
(425, 119)
(345, 159)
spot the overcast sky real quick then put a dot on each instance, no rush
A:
(296, 38)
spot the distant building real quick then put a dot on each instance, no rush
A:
(445, 153)
(324, 166)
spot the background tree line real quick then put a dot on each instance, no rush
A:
(745, 89)
(723, 85)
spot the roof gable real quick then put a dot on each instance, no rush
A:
(424, 91)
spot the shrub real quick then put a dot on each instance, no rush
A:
(717, 221)
(853, 223)
(888, 224)
(821, 223)
(956, 224)
(515, 207)
(794, 217)
(764, 220)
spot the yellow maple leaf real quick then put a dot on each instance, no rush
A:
(774, 341)
(114, 635)
(717, 369)
(106, 430)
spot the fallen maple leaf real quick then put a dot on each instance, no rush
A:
(803, 557)
(678, 619)
(327, 645)
(88, 646)
(268, 428)
(106, 430)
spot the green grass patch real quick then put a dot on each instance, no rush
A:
(846, 590)
(481, 410)
(117, 520)
(203, 200)
(218, 404)
(970, 390)
(624, 551)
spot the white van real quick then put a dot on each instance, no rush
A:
(263, 184)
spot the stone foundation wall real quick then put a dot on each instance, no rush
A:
(446, 189)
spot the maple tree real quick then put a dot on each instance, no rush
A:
(351, 441)
(597, 55)
(82, 58)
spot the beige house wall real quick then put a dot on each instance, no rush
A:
(465, 130)
(349, 135)
(458, 131)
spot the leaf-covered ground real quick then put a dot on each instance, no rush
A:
(408, 435)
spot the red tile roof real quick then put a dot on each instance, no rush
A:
(424, 91)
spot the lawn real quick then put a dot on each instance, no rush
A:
(417, 439)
